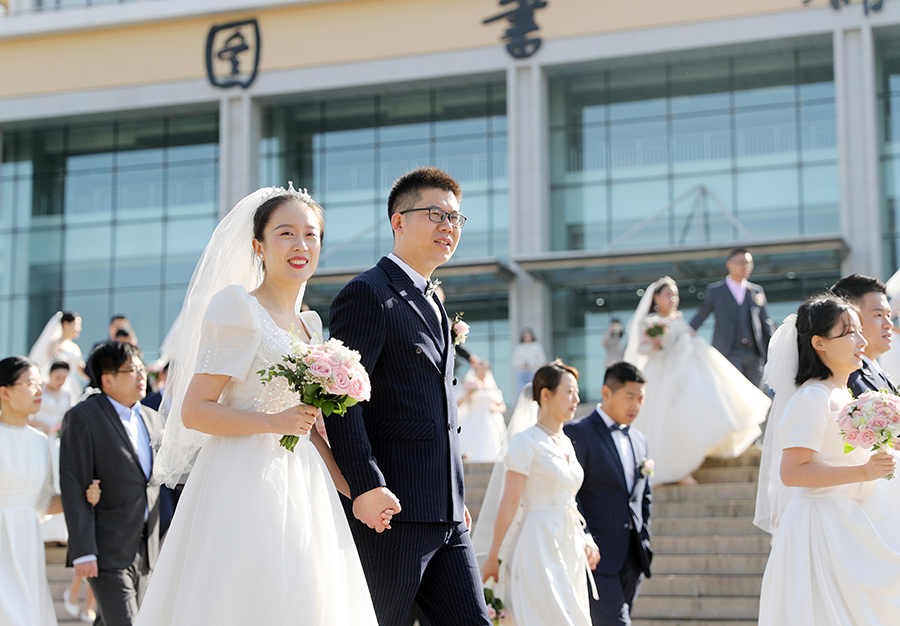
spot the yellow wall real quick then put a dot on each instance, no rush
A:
(324, 34)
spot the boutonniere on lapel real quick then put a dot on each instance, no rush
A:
(759, 299)
(646, 467)
(459, 330)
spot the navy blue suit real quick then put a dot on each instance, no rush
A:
(406, 439)
(618, 520)
(867, 378)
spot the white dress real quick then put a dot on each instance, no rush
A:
(547, 567)
(482, 427)
(26, 488)
(259, 535)
(829, 565)
(697, 404)
(54, 405)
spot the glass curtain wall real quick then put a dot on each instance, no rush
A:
(888, 62)
(716, 151)
(104, 218)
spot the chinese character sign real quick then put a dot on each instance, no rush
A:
(521, 23)
(232, 54)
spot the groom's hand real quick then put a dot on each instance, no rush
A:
(368, 507)
(468, 517)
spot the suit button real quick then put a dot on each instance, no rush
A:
(458, 429)
(449, 427)
(418, 350)
(626, 526)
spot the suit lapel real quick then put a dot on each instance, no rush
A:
(606, 439)
(110, 413)
(406, 289)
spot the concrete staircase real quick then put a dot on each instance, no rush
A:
(708, 556)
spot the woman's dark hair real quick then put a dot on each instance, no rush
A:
(530, 332)
(818, 316)
(12, 367)
(109, 357)
(662, 283)
(548, 377)
(264, 214)
(59, 365)
(69, 316)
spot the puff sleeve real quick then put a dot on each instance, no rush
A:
(805, 419)
(229, 334)
(520, 455)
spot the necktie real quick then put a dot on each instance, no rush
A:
(623, 428)
(430, 287)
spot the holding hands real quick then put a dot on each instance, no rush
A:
(376, 507)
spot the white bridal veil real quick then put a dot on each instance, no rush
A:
(227, 260)
(634, 330)
(781, 370)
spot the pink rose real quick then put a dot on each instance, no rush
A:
(360, 389)
(341, 383)
(845, 422)
(878, 423)
(866, 438)
(461, 328)
(492, 614)
(894, 418)
(852, 436)
(321, 368)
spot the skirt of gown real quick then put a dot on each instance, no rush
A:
(697, 405)
(259, 537)
(841, 571)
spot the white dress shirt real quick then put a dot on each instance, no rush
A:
(737, 289)
(419, 281)
(623, 445)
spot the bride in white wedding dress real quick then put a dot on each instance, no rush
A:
(832, 562)
(698, 404)
(259, 535)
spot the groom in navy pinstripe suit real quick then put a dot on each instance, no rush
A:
(400, 450)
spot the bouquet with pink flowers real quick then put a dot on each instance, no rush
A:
(872, 421)
(495, 608)
(655, 326)
(326, 375)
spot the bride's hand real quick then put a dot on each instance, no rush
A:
(880, 464)
(490, 569)
(297, 420)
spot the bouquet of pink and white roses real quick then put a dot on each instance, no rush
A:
(655, 326)
(872, 421)
(326, 375)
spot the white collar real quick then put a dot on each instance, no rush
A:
(610, 422)
(123, 411)
(872, 365)
(418, 280)
(735, 284)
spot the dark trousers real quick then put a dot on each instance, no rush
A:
(431, 564)
(119, 592)
(750, 365)
(617, 593)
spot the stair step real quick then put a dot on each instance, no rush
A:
(710, 545)
(727, 474)
(721, 608)
(706, 508)
(749, 458)
(708, 491)
(681, 526)
(701, 586)
(728, 564)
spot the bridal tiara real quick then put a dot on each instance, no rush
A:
(300, 194)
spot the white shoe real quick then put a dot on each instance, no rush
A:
(88, 616)
(72, 608)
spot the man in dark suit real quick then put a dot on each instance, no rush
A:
(615, 496)
(870, 297)
(107, 437)
(743, 327)
(405, 440)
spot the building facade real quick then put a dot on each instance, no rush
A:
(600, 145)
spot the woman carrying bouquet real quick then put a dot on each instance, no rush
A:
(697, 403)
(829, 565)
(259, 536)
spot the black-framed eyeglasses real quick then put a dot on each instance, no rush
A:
(438, 216)
(134, 369)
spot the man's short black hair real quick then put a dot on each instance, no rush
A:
(109, 357)
(736, 251)
(620, 373)
(407, 188)
(855, 287)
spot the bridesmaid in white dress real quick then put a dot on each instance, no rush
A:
(57, 343)
(829, 565)
(698, 404)
(481, 410)
(26, 493)
(259, 535)
(544, 579)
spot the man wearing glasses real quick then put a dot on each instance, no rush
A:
(107, 437)
(400, 450)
